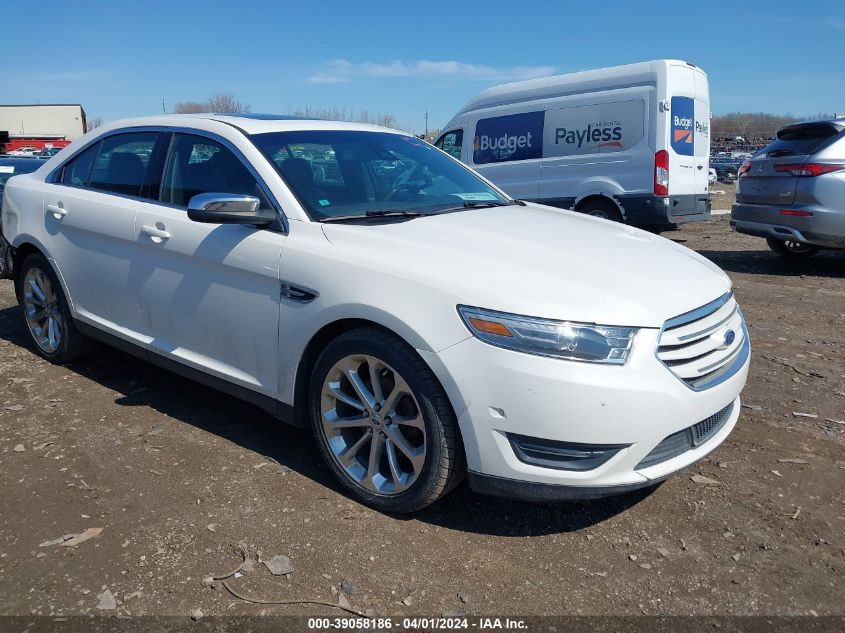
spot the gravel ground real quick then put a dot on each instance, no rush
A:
(177, 475)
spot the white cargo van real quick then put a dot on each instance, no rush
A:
(629, 143)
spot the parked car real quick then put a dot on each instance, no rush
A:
(47, 152)
(426, 327)
(629, 143)
(24, 150)
(792, 193)
(11, 166)
(712, 176)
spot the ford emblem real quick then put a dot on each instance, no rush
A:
(730, 336)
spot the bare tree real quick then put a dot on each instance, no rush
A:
(221, 102)
(226, 102)
(342, 114)
(93, 122)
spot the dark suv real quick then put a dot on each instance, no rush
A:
(792, 192)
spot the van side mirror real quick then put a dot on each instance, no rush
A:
(228, 208)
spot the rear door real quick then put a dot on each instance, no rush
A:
(767, 178)
(90, 211)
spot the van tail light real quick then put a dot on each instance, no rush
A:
(744, 169)
(661, 173)
(800, 214)
(808, 169)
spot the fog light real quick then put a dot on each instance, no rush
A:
(561, 455)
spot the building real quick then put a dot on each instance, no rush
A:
(41, 126)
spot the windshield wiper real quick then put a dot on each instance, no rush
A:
(377, 213)
(474, 204)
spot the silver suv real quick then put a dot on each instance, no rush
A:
(792, 192)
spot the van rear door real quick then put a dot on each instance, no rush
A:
(689, 133)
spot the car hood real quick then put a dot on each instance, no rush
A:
(539, 261)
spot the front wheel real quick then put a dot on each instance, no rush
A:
(383, 422)
(791, 248)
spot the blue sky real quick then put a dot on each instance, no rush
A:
(121, 58)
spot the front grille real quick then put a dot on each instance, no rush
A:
(690, 437)
(706, 346)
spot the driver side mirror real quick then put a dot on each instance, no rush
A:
(228, 208)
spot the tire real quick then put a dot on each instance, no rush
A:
(393, 466)
(46, 315)
(791, 248)
(604, 209)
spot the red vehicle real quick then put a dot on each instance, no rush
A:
(32, 143)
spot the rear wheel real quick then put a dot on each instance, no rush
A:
(791, 248)
(383, 423)
(599, 208)
(46, 313)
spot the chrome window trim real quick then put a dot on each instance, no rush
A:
(732, 367)
(52, 177)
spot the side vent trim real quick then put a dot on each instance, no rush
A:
(300, 294)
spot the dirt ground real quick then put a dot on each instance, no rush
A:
(177, 475)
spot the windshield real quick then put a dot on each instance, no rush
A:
(340, 173)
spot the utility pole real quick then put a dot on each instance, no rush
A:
(163, 109)
(426, 124)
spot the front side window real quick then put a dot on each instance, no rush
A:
(340, 173)
(451, 143)
(196, 164)
(121, 163)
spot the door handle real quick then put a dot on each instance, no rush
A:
(58, 210)
(155, 232)
(701, 166)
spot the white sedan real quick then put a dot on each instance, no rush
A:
(361, 282)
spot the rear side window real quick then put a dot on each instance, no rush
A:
(77, 172)
(196, 164)
(121, 163)
(804, 138)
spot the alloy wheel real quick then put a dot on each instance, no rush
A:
(41, 308)
(373, 425)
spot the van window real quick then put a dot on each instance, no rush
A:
(451, 143)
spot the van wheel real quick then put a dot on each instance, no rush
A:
(46, 314)
(791, 248)
(383, 422)
(601, 209)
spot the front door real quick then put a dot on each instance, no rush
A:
(209, 294)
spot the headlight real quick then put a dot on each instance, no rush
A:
(560, 339)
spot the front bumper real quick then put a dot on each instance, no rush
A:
(825, 227)
(497, 392)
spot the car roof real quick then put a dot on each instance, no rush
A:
(247, 123)
(21, 161)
